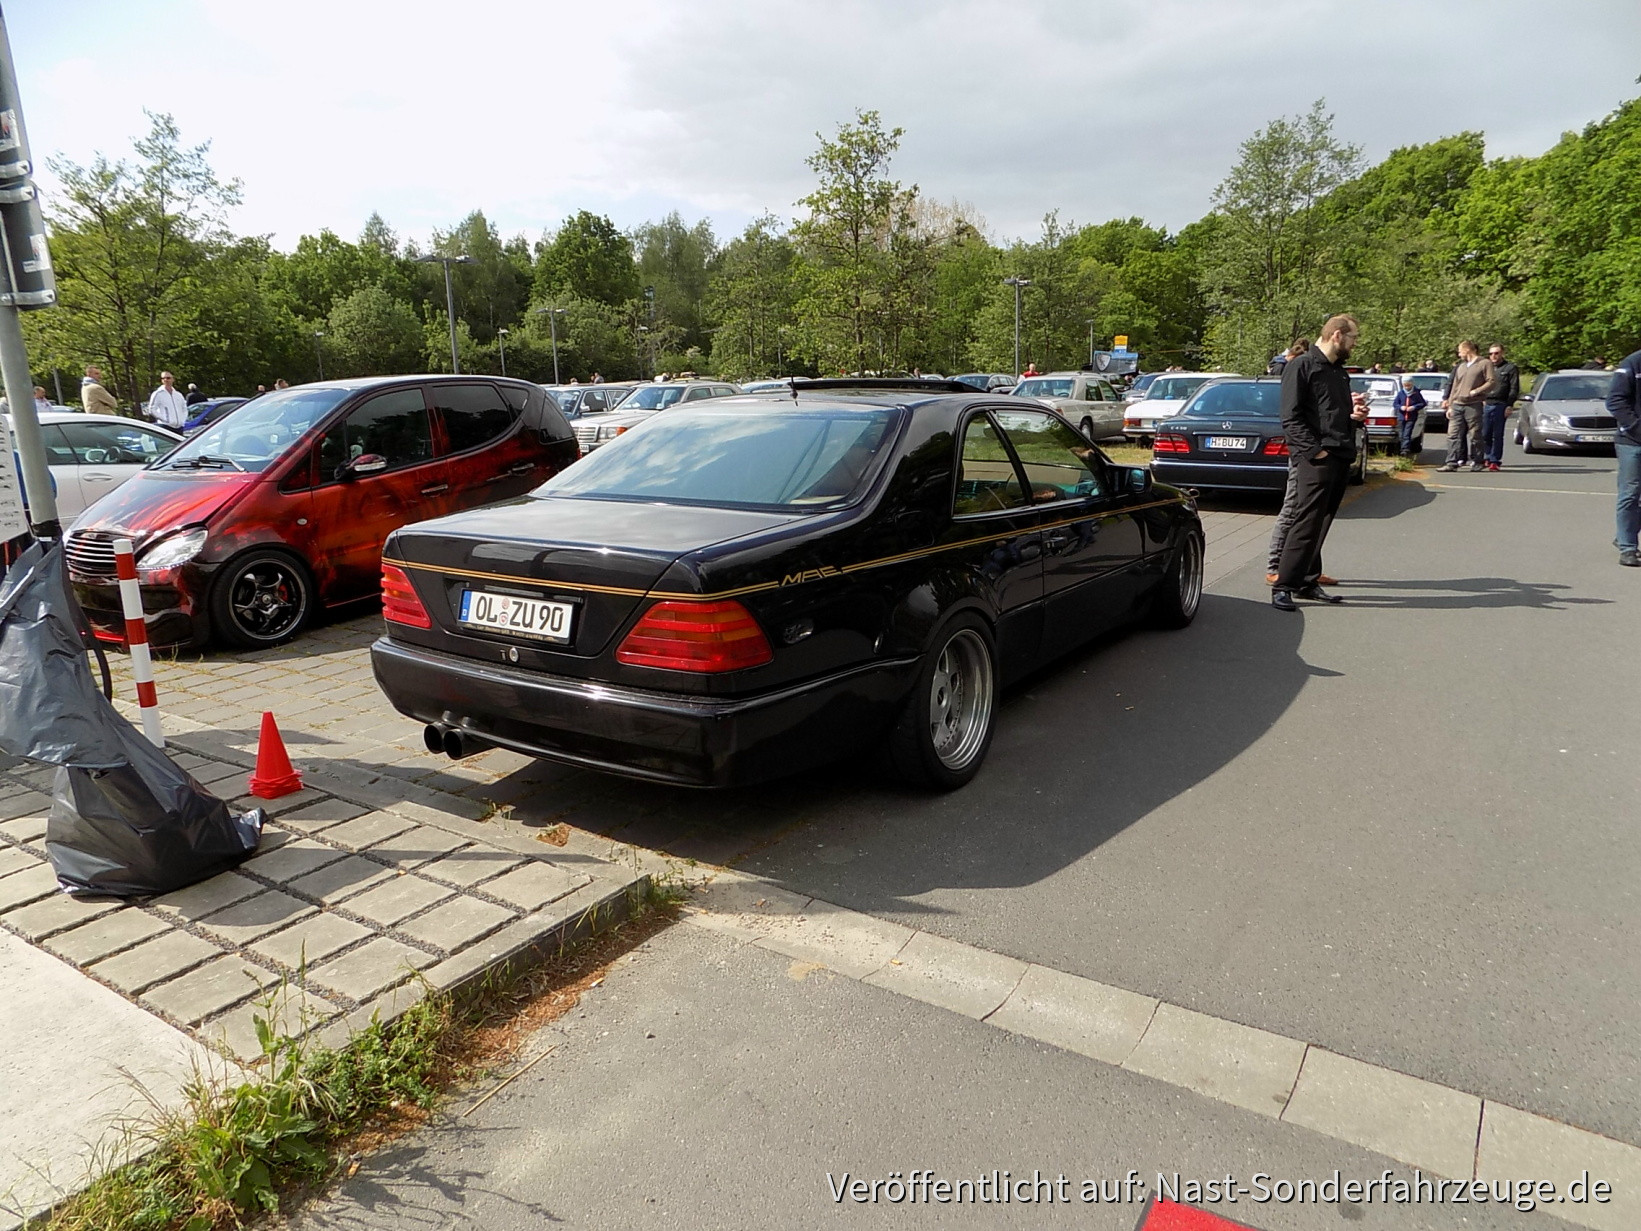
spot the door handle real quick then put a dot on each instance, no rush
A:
(522, 468)
(435, 489)
(96, 478)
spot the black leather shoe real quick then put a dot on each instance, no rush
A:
(1316, 594)
(1630, 558)
(1282, 600)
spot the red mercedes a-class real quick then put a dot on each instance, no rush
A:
(250, 526)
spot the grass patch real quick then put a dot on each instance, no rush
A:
(1128, 454)
(243, 1147)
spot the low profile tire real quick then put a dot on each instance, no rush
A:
(943, 734)
(1358, 472)
(1518, 435)
(1175, 601)
(1527, 445)
(261, 599)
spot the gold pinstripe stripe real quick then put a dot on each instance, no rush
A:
(716, 595)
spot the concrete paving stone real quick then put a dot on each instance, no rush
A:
(311, 941)
(397, 898)
(295, 858)
(292, 1012)
(535, 885)
(949, 975)
(1224, 1060)
(322, 815)
(371, 968)
(29, 885)
(457, 923)
(91, 942)
(14, 859)
(209, 989)
(846, 941)
(367, 830)
(25, 828)
(1516, 1145)
(1427, 1125)
(339, 881)
(154, 961)
(471, 866)
(197, 901)
(245, 921)
(285, 803)
(1076, 1014)
(416, 846)
(216, 772)
(56, 914)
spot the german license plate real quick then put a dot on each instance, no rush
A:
(1594, 438)
(508, 613)
(1238, 443)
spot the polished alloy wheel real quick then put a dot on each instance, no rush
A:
(1190, 576)
(268, 599)
(960, 700)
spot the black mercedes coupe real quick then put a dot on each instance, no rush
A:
(749, 586)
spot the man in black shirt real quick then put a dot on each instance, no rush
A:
(1319, 418)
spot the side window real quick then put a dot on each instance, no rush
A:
(1092, 391)
(474, 415)
(695, 395)
(986, 479)
(394, 426)
(592, 402)
(109, 444)
(1059, 464)
(58, 451)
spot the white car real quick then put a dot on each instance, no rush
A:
(91, 455)
(596, 431)
(1163, 400)
(1089, 401)
(1381, 400)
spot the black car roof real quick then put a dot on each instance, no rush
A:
(370, 382)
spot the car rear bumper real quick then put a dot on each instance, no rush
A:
(1222, 476)
(682, 739)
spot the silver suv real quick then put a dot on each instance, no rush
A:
(596, 430)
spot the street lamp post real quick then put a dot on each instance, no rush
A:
(501, 341)
(647, 350)
(1090, 325)
(433, 258)
(1018, 284)
(319, 351)
(552, 315)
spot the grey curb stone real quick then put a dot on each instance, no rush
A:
(14, 860)
(1225, 1060)
(367, 830)
(1076, 1014)
(320, 816)
(56, 914)
(291, 1011)
(93, 941)
(469, 867)
(29, 885)
(154, 961)
(949, 975)
(1516, 1144)
(215, 986)
(1429, 1126)
(27, 803)
(535, 885)
(417, 846)
(25, 828)
(846, 941)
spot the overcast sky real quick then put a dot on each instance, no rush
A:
(531, 109)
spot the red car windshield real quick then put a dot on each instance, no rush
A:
(256, 434)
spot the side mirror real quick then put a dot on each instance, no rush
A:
(1139, 480)
(365, 463)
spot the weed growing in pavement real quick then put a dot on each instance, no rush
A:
(1405, 465)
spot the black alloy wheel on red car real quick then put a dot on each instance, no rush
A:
(262, 598)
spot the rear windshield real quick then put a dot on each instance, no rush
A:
(735, 458)
(1589, 388)
(1043, 389)
(1165, 387)
(1424, 382)
(253, 436)
(1216, 401)
(1375, 386)
(651, 397)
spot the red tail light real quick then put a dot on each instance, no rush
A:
(696, 637)
(1171, 444)
(400, 604)
(1276, 446)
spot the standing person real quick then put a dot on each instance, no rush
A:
(166, 405)
(1284, 518)
(1429, 365)
(1496, 408)
(282, 383)
(195, 397)
(1624, 404)
(1408, 404)
(41, 402)
(94, 398)
(1470, 383)
(1319, 418)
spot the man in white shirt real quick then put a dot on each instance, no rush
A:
(166, 405)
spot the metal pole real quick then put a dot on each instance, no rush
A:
(319, 352)
(501, 336)
(1090, 344)
(1016, 330)
(57, 379)
(450, 312)
(552, 328)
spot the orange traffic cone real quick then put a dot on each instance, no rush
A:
(274, 775)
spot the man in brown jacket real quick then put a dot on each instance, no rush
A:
(94, 399)
(1472, 380)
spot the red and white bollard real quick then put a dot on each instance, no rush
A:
(136, 640)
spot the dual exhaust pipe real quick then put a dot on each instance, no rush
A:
(452, 741)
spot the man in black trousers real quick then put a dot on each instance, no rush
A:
(1319, 417)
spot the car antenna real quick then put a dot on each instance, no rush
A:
(793, 382)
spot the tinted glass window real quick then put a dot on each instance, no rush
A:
(1057, 460)
(707, 455)
(473, 415)
(58, 452)
(695, 395)
(1576, 388)
(1217, 401)
(394, 426)
(114, 444)
(1165, 387)
(986, 478)
(652, 397)
(1043, 389)
(254, 435)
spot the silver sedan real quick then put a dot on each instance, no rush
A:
(1565, 410)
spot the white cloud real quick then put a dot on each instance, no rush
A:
(328, 110)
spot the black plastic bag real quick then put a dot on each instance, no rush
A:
(125, 820)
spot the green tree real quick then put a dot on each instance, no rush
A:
(371, 333)
(749, 302)
(675, 260)
(589, 259)
(492, 291)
